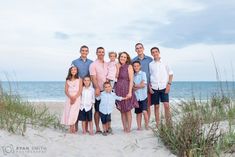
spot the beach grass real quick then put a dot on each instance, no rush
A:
(200, 128)
(17, 115)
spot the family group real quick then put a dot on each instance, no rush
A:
(121, 82)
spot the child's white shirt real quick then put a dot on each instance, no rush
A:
(87, 98)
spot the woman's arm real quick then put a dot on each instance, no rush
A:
(131, 75)
(117, 67)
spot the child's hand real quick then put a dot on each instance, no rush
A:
(134, 89)
(150, 89)
(125, 98)
(97, 92)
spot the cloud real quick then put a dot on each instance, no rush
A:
(51, 32)
(212, 25)
(61, 35)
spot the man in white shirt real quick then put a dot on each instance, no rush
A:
(160, 82)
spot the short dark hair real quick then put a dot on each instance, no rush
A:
(154, 48)
(107, 82)
(139, 44)
(136, 62)
(83, 46)
(87, 76)
(98, 48)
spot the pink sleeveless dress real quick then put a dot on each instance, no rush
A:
(70, 113)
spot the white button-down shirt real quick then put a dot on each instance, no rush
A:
(159, 74)
(87, 98)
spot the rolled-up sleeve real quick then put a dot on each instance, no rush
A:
(169, 70)
(92, 69)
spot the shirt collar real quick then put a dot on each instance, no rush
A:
(143, 58)
(139, 73)
(99, 61)
(82, 59)
(160, 61)
(107, 92)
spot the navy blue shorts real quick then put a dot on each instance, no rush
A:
(159, 95)
(105, 118)
(97, 105)
(142, 106)
(85, 116)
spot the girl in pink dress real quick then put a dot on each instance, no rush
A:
(73, 88)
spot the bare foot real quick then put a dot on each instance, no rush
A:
(146, 127)
(128, 130)
(139, 129)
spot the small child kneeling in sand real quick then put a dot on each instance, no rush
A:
(87, 101)
(107, 104)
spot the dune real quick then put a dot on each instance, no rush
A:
(54, 143)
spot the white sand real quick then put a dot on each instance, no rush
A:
(51, 143)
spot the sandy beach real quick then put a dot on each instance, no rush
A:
(49, 142)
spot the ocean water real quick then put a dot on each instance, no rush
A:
(54, 91)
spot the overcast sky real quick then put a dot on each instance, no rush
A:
(39, 39)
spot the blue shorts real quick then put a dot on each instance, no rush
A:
(97, 105)
(142, 106)
(159, 95)
(85, 116)
(105, 118)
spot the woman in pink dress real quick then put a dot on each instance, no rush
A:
(73, 89)
(123, 88)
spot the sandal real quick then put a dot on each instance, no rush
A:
(104, 133)
(98, 132)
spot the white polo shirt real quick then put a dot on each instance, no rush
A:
(159, 74)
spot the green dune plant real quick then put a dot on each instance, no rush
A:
(17, 115)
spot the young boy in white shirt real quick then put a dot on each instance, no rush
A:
(87, 102)
(161, 77)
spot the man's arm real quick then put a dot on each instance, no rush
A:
(95, 84)
(168, 86)
(170, 72)
(93, 73)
